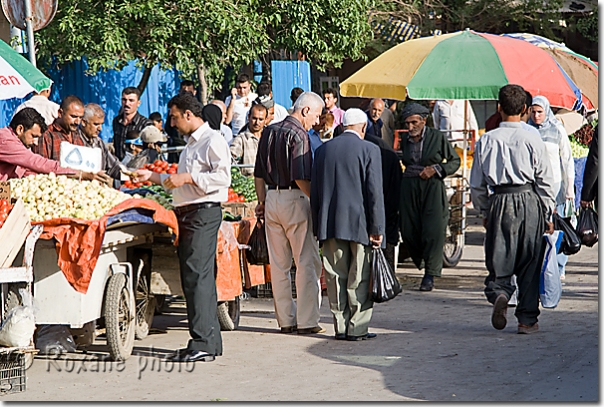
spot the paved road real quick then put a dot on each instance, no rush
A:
(436, 346)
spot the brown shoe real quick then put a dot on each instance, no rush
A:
(314, 330)
(528, 329)
(288, 329)
(500, 309)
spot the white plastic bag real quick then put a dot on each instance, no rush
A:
(18, 328)
(550, 286)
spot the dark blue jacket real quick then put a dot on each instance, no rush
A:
(346, 190)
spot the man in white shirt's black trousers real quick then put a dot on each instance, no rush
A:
(198, 188)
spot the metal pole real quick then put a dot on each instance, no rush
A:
(31, 48)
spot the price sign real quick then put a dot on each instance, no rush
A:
(5, 190)
(81, 158)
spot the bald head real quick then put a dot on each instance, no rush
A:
(376, 107)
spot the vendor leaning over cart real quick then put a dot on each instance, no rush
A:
(428, 158)
(16, 140)
(204, 175)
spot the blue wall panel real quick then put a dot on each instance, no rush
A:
(287, 75)
(105, 88)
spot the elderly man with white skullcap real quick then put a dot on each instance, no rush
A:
(428, 158)
(347, 205)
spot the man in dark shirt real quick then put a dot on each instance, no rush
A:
(64, 128)
(127, 120)
(374, 114)
(284, 164)
(89, 131)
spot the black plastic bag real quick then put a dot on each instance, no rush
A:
(54, 340)
(383, 285)
(257, 254)
(571, 243)
(587, 227)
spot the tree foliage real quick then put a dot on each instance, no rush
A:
(493, 16)
(187, 34)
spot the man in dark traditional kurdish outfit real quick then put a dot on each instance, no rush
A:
(428, 158)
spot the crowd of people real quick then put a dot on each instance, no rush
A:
(330, 188)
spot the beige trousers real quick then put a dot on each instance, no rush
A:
(289, 234)
(347, 275)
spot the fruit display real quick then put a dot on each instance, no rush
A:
(234, 196)
(242, 185)
(578, 149)
(50, 196)
(5, 208)
(162, 167)
(584, 134)
(160, 196)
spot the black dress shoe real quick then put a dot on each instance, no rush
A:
(189, 355)
(427, 283)
(340, 337)
(361, 337)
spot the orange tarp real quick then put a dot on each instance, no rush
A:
(79, 241)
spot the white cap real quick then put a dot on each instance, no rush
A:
(151, 134)
(354, 116)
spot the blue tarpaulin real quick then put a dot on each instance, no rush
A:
(287, 75)
(105, 88)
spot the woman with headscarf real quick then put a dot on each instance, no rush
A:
(212, 115)
(428, 158)
(559, 153)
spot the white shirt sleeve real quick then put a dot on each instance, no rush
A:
(219, 158)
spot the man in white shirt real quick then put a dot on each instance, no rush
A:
(449, 115)
(202, 181)
(39, 101)
(239, 103)
(265, 96)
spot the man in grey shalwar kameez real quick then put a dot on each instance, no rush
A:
(512, 185)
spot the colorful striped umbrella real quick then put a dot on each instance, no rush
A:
(463, 65)
(18, 77)
(581, 70)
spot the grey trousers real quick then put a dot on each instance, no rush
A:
(347, 276)
(514, 246)
(198, 235)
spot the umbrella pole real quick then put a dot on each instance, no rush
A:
(31, 48)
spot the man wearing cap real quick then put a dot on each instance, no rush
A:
(348, 187)
(89, 130)
(150, 139)
(284, 164)
(428, 158)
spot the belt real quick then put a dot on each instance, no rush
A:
(277, 187)
(181, 210)
(512, 189)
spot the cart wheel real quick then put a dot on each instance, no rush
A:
(119, 317)
(145, 308)
(453, 250)
(228, 315)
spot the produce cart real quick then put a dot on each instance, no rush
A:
(17, 237)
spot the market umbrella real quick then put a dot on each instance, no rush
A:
(582, 70)
(463, 65)
(18, 76)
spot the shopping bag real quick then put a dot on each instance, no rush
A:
(587, 227)
(571, 243)
(383, 285)
(257, 254)
(550, 286)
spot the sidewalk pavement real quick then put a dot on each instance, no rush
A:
(432, 346)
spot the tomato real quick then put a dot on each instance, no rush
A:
(148, 183)
(241, 199)
(1, 223)
(138, 184)
(172, 171)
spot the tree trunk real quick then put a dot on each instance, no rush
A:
(142, 85)
(204, 85)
